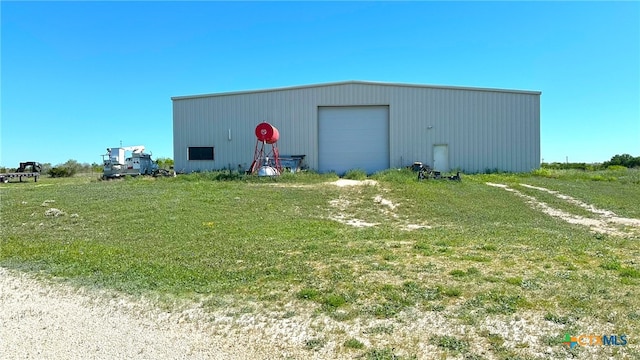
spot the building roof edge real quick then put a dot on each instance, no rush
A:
(358, 82)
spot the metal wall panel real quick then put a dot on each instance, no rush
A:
(484, 129)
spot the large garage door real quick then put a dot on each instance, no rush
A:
(353, 137)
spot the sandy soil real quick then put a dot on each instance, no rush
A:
(387, 207)
(45, 320)
(52, 321)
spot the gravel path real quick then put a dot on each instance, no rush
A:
(42, 319)
(50, 321)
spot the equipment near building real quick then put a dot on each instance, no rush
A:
(426, 172)
(34, 172)
(293, 163)
(266, 162)
(130, 160)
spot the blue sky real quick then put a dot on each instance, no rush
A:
(78, 77)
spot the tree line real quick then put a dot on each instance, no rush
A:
(623, 160)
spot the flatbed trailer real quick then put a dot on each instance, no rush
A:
(4, 178)
(22, 172)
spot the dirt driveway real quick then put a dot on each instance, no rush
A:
(51, 321)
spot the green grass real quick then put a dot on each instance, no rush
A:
(239, 240)
(353, 344)
(450, 343)
(384, 354)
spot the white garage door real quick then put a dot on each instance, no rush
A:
(353, 137)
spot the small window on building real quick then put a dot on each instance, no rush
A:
(201, 153)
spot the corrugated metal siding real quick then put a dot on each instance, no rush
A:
(349, 135)
(483, 129)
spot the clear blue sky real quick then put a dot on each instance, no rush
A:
(78, 77)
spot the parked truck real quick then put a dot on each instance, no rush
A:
(26, 169)
(130, 161)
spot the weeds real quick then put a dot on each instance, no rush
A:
(315, 344)
(353, 344)
(450, 343)
(384, 354)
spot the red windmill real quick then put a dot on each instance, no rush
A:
(266, 162)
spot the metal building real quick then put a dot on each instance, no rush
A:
(363, 125)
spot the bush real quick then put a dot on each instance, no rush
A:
(544, 172)
(624, 160)
(68, 169)
(569, 166)
(62, 172)
(616, 168)
(165, 163)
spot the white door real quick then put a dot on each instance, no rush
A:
(441, 158)
(353, 137)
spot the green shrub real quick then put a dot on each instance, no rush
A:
(62, 172)
(543, 172)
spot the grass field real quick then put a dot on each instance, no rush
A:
(394, 268)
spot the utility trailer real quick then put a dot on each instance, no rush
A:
(28, 169)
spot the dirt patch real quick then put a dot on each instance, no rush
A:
(47, 202)
(56, 322)
(608, 215)
(349, 182)
(384, 202)
(341, 218)
(601, 225)
(47, 320)
(385, 206)
(54, 212)
(340, 203)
